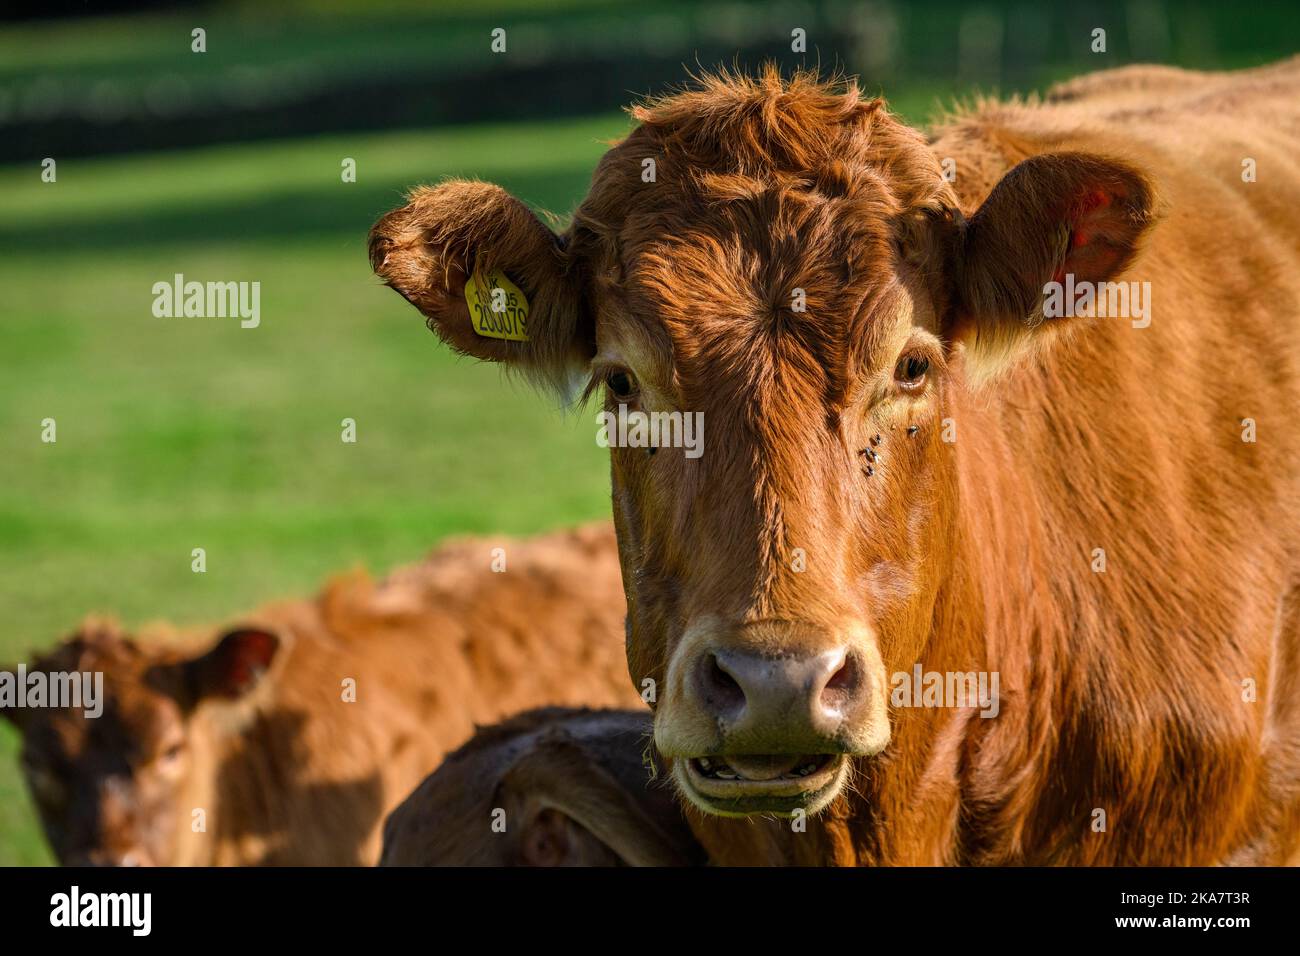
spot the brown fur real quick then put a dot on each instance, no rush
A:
(290, 773)
(552, 787)
(1121, 691)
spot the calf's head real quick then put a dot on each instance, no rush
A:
(114, 784)
(548, 787)
(784, 262)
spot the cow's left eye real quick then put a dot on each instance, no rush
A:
(910, 372)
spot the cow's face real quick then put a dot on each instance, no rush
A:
(113, 784)
(792, 273)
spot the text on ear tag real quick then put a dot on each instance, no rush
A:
(497, 308)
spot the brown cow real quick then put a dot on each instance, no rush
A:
(550, 787)
(366, 687)
(918, 458)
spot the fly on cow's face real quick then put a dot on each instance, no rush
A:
(872, 457)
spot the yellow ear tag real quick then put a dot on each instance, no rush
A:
(497, 309)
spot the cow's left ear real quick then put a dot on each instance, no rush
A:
(1052, 216)
(233, 667)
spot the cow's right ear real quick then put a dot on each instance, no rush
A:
(523, 305)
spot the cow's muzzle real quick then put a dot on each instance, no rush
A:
(762, 719)
(769, 783)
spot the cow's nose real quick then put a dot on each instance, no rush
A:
(771, 704)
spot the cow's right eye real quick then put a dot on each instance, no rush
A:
(621, 383)
(910, 372)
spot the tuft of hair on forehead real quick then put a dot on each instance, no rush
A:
(818, 130)
(769, 141)
(754, 124)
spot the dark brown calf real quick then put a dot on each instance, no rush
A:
(550, 787)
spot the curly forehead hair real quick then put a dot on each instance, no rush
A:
(731, 136)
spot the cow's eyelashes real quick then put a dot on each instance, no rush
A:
(910, 372)
(621, 383)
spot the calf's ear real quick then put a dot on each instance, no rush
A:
(233, 667)
(576, 812)
(491, 279)
(1052, 216)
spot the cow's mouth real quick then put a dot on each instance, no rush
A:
(741, 784)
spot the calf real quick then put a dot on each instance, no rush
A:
(287, 740)
(551, 787)
(929, 450)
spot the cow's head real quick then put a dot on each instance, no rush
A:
(787, 260)
(113, 782)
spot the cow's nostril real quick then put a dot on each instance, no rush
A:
(843, 691)
(722, 692)
(845, 680)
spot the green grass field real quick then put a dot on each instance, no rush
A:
(183, 433)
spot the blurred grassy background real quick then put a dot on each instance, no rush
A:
(183, 433)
